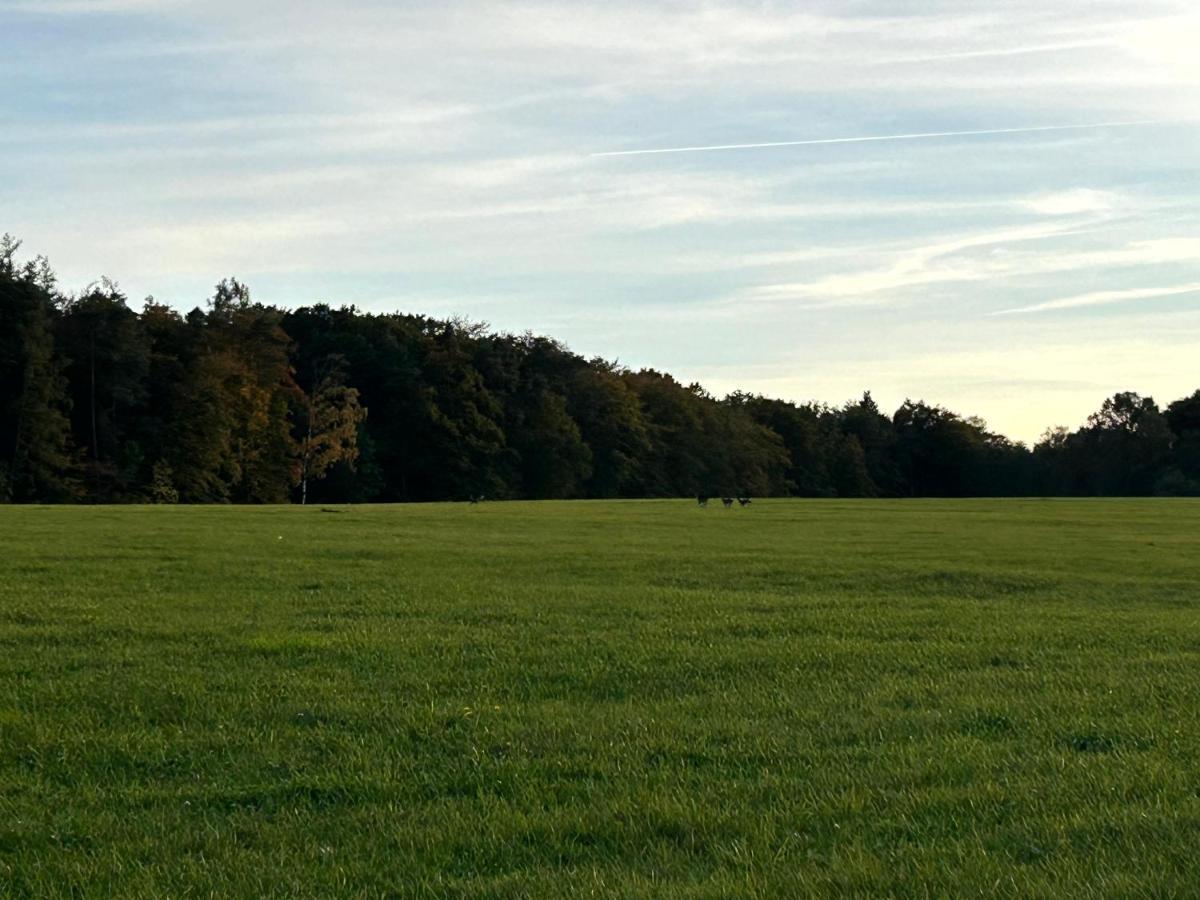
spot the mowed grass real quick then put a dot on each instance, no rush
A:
(619, 699)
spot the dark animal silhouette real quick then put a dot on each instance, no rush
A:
(745, 501)
(702, 501)
(728, 501)
(473, 499)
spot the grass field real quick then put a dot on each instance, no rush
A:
(640, 698)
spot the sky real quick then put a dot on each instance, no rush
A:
(467, 158)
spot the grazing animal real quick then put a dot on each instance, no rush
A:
(728, 501)
(745, 501)
(473, 499)
(702, 501)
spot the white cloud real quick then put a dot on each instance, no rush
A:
(950, 262)
(77, 7)
(1021, 380)
(1102, 298)
(1172, 43)
(922, 265)
(1072, 203)
(436, 149)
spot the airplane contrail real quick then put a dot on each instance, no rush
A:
(922, 136)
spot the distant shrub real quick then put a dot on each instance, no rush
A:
(162, 488)
(1173, 483)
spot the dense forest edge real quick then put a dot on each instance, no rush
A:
(242, 402)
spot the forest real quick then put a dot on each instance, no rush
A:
(241, 402)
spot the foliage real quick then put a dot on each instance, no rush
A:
(36, 450)
(242, 402)
(332, 417)
(162, 487)
(107, 356)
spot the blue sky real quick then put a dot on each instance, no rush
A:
(440, 158)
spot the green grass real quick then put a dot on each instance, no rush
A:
(618, 699)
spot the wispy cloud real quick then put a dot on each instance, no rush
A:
(921, 136)
(950, 261)
(1103, 298)
(77, 7)
(1072, 203)
(993, 52)
(922, 265)
(951, 159)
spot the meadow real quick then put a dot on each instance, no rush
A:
(822, 698)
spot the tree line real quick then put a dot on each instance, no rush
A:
(241, 402)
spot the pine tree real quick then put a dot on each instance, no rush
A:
(36, 456)
(109, 357)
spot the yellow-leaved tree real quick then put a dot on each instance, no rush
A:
(332, 416)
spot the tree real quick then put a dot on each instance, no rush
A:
(384, 359)
(162, 486)
(612, 426)
(36, 453)
(876, 435)
(108, 357)
(1124, 447)
(1183, 418)
(807, 440)
(937, 451)
(553, 460)
(331, 420)
(171, 352)
(676, 462)
(459, 445)
(100, 401)
(744, 456)
(231, 434)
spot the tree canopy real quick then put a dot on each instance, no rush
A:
(248, 403)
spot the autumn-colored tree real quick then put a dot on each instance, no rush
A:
(106, 404)
(331, 419)
(233, 439)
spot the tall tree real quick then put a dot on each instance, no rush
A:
(36, 457)
(109, 358)
(233, 437)
(331, 417)
(554, 460)
(806, 438)
(611, 424)
(1124, 446)
(172, 353)
(207, 408)
(1183, 417)
(676, 458)
(936, 450)
(876, 435)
